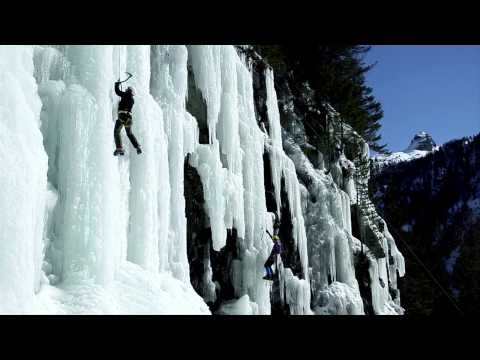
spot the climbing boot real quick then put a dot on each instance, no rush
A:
(118, 152)
(139, 151)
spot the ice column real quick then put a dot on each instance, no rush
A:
(149, 175)
(88, 175)
(169, 87)
(23, 186)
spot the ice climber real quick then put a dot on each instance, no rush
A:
(276, 250)
(124, 119)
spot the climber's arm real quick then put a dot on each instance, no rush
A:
(117, 89)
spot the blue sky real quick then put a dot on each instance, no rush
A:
(425, 87)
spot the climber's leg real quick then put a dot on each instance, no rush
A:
(118, 138)
(127, 121)
(268, 269)
(269, 275)
(132, 138)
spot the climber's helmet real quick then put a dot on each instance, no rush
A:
(131, 90)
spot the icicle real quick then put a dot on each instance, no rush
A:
(149, 174)
(169, 87)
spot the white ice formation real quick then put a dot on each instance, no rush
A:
(84, 232)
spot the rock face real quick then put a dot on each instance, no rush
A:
(421, 141)
(438, 217)
(421, 144)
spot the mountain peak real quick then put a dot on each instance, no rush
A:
(421, 141)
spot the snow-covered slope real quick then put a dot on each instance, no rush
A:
(421, 145)
(84, 232)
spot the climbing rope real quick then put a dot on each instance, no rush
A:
(429, 273)
(119, 63)
(128, 74)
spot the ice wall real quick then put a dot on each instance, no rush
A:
(103, 224)
(23, 181)
(231, 166)
(296, 291)
(103, 212)
(386, 263)
(330, 242)
(87, 178)
(104, 234)
(215, 71)
(149, 173)
(386, 271)
(169, 87)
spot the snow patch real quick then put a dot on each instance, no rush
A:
(134, 291)
(242, 306)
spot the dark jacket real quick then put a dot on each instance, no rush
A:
(277, 248)
(126, 102)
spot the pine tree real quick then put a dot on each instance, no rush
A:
(337, 75)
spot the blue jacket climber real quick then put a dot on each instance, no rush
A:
(276, 250)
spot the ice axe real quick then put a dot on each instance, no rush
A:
(128, 78)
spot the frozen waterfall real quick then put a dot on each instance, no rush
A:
(84, 232)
